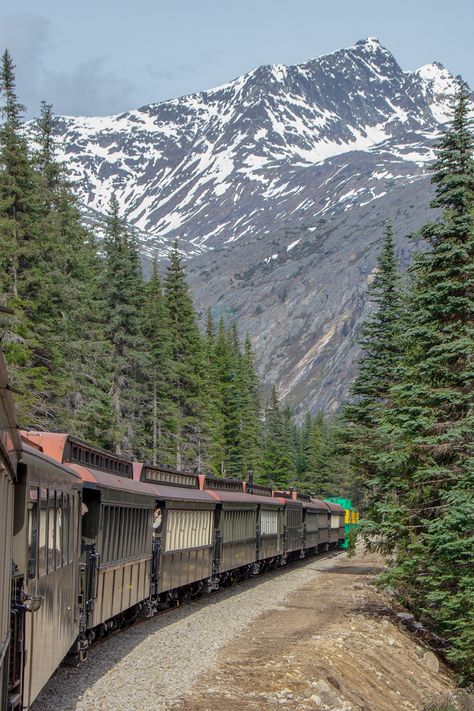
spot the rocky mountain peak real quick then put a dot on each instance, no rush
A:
(277, 185)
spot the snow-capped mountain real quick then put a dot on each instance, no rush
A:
(212, 167)
(282, 177)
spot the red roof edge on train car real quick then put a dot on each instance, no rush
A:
(51, 443)
(224, 496)
(137, 470)
(110, 480)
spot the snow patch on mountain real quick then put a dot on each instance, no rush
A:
(279, 145)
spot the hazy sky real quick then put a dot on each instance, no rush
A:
(105, 56)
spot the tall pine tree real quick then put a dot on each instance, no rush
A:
(363, 436)
(160, 411)
(429, 502)
(18, 227)
(123, 291)
(278, 461)
(191, 438)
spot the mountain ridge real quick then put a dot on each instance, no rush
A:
(275, 183)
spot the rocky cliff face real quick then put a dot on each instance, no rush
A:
(277, 186)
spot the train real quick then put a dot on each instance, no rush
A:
(92, 541)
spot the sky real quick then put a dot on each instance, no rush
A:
(99, 57)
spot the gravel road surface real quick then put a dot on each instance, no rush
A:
(151, 666)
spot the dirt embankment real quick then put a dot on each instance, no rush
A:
(327, 647)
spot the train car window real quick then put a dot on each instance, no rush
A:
(130, 529)
(294, 518)
(65, 529)
(140, 518)
(138, 527)
(127, 513)
(133, 531)
(115, 534)
(51, 529)
(124, 533)
(144, 527)
(59, 523)
(134, 534)
(43, 531)
(109, 534)
(143, 541)
(118, 532)
(238, 524)
(73, 521)
(115, 528)
(121, 534)
(33, 533)
(104, 537)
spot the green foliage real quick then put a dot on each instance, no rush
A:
(123, 291)
(48, 270)
(362, 438)
(187, 375)
(160, 412)
(420, 469)
(277, 466)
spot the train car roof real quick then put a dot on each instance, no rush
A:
(333, 507)
(225, 496)
(108, 480)
(316, 504)
(69, 449)
(295, 503)
(34, 453)
(164, 491)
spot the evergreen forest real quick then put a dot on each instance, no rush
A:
(408, 431)
(95, 350)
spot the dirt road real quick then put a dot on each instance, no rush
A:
(323, 650)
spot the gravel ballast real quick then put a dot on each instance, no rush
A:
(151, 665)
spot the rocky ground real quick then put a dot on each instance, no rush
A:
(313, 636)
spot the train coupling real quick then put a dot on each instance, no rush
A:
(212, 584)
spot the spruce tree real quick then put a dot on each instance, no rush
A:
(30, 280)
(228, 370)
(363, 436)
(278, 463)
(250, 410)
(123, 291)
(160, 412)
(428, 505)
(191, 438)
(213, 407)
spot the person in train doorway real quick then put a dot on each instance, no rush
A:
(157, 520)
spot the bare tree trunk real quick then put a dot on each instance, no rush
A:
(178, 449)
(15, 263)
(155, 412)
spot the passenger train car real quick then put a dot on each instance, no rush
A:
(9, 457)
(92, 541)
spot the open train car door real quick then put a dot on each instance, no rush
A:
(184, 545)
